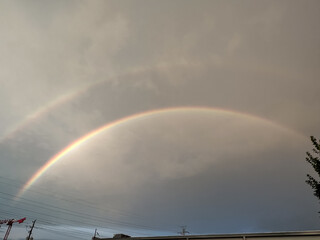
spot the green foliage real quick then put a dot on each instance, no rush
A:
(315, 163)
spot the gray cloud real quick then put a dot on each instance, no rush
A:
(214, 173)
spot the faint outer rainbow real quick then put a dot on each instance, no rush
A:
(49, 106)
(95, 132)
(38, 113)
(55, 103)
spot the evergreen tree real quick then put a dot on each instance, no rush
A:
(315, 163)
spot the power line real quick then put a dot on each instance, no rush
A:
(72, 220)
(79, 201)
(63, 234)
(91, 205)
(97, 218)
(52, 223)
(77, 214)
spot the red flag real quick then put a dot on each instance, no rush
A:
(21, 220)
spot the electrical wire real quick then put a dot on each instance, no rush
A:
(88, 215)
(92, 206)
(76, 214)
(61, 197)
(71, 221)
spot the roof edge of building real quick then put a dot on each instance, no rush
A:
(231, 235)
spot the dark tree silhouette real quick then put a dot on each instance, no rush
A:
(315, 163)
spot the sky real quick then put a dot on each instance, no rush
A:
(139, 117)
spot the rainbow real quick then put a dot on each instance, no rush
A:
(43, 110)
(55, 103)
(77, 143)
(38, 113)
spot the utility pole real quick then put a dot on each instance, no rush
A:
(183, 230)
(95, 234)
(30, 231)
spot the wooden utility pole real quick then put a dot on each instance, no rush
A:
(30, 231)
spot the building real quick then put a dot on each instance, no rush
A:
(305, 235)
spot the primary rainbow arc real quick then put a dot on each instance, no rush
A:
(99, 130)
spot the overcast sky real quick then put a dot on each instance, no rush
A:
(241, 80)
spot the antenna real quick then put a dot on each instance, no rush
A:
(95, 234)
(9, 222)
(183, 230)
